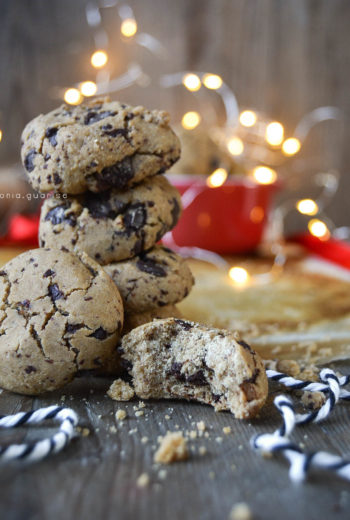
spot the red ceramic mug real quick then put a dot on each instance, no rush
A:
(226, 219)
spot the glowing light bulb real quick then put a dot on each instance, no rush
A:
(128, 27)
(99, 59)
(72, 96)
(318, 229)
(264, 175)
(239, 275)
(88, 88)
(307, 207)
(235, 146)
(247, 118)
(212, 81)
(291, 146)
(191, 82)
(217, 178)
(190, 120)
(0, 136)
(274, 133)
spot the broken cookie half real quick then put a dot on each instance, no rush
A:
(173, 358)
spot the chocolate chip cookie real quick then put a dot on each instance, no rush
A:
(173, 358)
(59, 314)
(152, 279)
(95, 146)
(113, 225)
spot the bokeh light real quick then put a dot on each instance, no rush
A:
(99, 59)
(190, 120)
(88, 88)
(274, 133)
(235, 146)
(239, 275)
(264, 175)
(128, 27)
(291, 146)
(72, 96)
(318, 229)
(217, 178)
(191, 82)
(212, 81)
(307, 207)
(247, 118)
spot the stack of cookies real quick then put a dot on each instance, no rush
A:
(101, 160)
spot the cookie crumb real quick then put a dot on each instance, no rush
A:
(226, 430)
(144, 440)
(143, 480)
(241, 511)
(313, 400)
(83, 431)
(113, 429)
(201, 426)
(139, 413)
(193, 434)
(288, 366)
(162, 474)
(172, 448)
(120, 391)
(167, 417)
(120, 414)
(202, 450)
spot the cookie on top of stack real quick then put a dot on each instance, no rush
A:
(102, 160)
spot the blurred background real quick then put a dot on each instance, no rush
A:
(279, 59)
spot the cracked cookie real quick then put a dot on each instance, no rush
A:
(152, 279)
(59, 314)
(173, 358)
(113, 225)
(97, 145)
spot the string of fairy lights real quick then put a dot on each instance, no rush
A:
(258, 143)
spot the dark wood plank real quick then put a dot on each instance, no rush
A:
(95, 477)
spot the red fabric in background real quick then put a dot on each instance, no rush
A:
(336, 251)
(22, 231)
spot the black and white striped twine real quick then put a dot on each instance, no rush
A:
(35, 451)
(279, 442)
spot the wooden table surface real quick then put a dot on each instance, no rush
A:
(96, 475)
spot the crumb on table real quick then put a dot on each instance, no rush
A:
(241, 511)
(173, 447)
(288, 366)
(201, 426)
(143, 480)
(120, 414)
(121, 391)
(313, 400)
